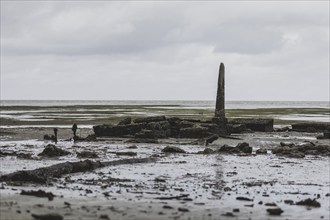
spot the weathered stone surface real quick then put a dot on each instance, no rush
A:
(228, 149)
(255, 124)
(125, 121)
(145, 134)
(288, 152)
(244, 147)
(118, 130)
(311, 127)
(53, 151)
(236, 128)
(172, 149)
(261, 151)
(299, 151)
(149, 119)
(194, 132)
(220, 101)
(160, 127)
(210, 139)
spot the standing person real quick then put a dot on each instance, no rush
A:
(55, 135)
(74, 129)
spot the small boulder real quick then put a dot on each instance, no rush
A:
(241, 198)
(172, 149)
(244, 147)
(275, 211)
(53, 151)
(261, 151)
(208, 151)
(228, 149)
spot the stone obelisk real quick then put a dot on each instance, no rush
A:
(220, 102)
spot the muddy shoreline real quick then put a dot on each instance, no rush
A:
(178, 186)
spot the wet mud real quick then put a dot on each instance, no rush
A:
(238, 178)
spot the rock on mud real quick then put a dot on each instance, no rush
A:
(243, 198)
(240, 148)
(51, 216)
(127, 153)
(275, 211)
(206, 151)
(53, 151)
(309, 202)
(299, 151)
(172, 149)
(87, 154)
(261, 151)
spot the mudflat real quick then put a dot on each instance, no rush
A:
(190, 185)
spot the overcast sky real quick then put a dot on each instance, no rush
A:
(164, 50)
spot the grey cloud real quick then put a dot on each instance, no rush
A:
(164, 50)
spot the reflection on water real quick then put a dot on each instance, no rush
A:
(219, 182)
